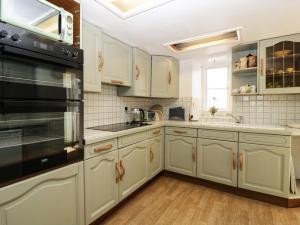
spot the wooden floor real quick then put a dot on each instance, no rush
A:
(171, 201)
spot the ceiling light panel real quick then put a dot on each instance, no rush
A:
(223, 37)
(129, 8)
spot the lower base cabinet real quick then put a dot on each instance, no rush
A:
(180, 154)
(54, 198)
(264, 169)
(156, 151)
(134, 163)
(217, 161)
(101, 187)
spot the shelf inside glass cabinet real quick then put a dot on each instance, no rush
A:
(283, 65)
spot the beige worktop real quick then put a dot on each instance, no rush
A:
(93, 136)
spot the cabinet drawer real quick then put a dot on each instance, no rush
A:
(132, 138)
(266, 139)
(100, 148)
(218, 135)
(155, 132)
(182, 131)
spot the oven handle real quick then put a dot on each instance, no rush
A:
(16, 106)
(6, 49)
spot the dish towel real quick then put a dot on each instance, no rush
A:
(293, 183)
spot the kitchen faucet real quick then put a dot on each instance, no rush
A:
(237, 119)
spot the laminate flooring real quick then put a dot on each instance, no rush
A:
(169, 201)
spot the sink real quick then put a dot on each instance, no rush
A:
(244, 125)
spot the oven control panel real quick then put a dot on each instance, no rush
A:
(17, 37)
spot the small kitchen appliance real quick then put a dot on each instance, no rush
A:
(38, 16)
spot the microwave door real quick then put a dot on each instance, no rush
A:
(38, 16)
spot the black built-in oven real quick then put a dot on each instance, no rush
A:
(41, 108)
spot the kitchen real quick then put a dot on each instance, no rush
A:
(130, 112)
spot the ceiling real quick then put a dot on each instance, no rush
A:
(182, 19)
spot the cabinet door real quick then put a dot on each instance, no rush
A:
(54, 198)
(91, 40)
(160, 76)
(156, 156)
(217, 161)
(180, 154)
(264, 169)
(174, 79)
(141, 79)
(101, 188)
(117, 62)
(280, 65)
(134, 163)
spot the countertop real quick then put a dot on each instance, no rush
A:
(93, 136)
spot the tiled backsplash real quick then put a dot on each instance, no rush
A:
(108, 108)
(268, 109)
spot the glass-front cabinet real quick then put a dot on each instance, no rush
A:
(280, 65)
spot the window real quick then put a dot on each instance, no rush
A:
(216, 88)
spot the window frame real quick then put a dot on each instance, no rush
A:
(204, 90)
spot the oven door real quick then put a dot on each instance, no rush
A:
(38, 16)
(37, 136)
(29, 75)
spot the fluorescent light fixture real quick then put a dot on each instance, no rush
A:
(129, 8)
(223, 37)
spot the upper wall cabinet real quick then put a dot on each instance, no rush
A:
(280, 65)
(92, 39)
(116, 62)
(165, 77)
(141, 76)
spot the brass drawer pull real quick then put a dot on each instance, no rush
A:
(138, 72)
(234, 161)
(123, 170)
(101, 61)
(156, 132)
(194, 153)
(180, 132)
(261, 67)
(170, 78)
(118, 169)
(117, 82)
(241, 156)
(151, 154)
(103, 148)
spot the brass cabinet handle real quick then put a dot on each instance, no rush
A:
(101, 61)
(118, 169)
(170, 77)
(180, 131)
(123, 170)
(156, 132)
(138, 72)
(234, 161)
(241, 156)
(261, 67)
(117, 82)
(103, 148)
(194, 153)
(151, 154)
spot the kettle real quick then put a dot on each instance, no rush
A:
(138, 114)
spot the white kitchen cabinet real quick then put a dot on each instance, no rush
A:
(141, 75)
(134, 164)
(165, 77)
(264, 169)
(101, 185)
(53, 198)
(117, 62)
(174, 74)
(156, 156)
(217, 161)
(91, 43)
(180, 154)
(280, 65)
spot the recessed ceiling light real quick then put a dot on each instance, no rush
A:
(129, 8)
(223, 37)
